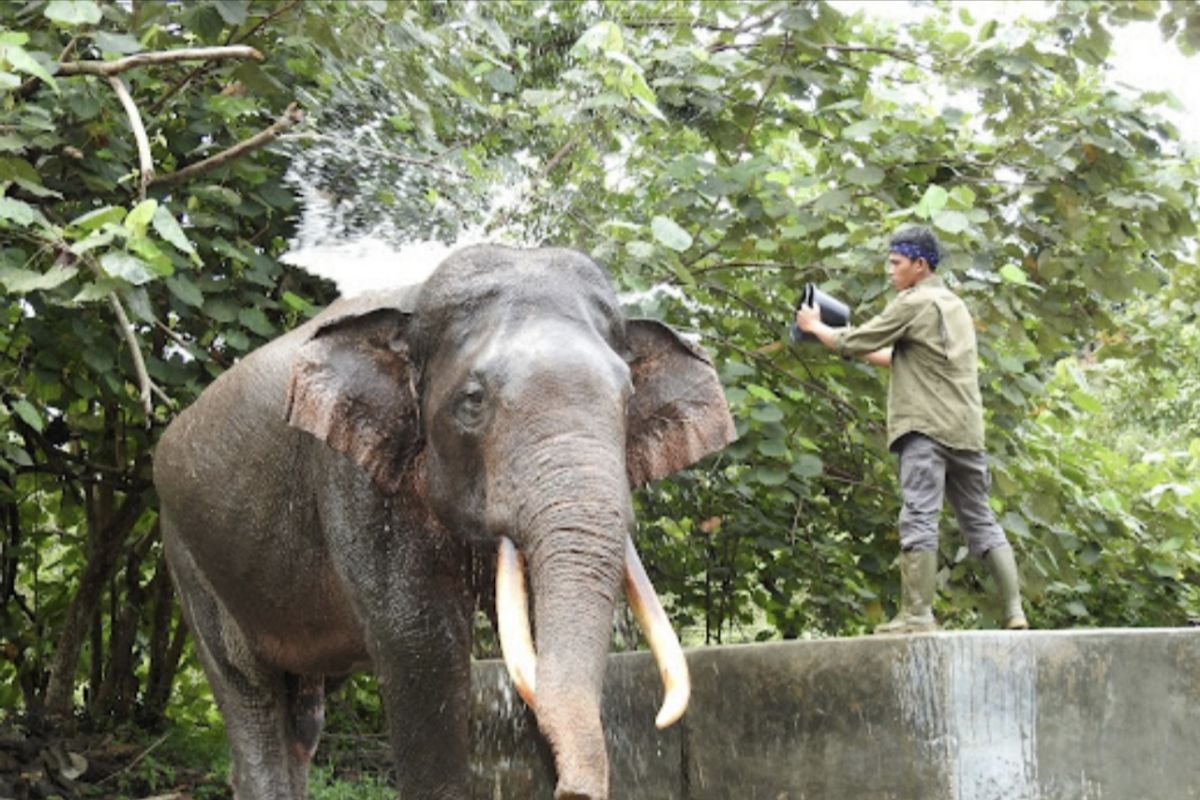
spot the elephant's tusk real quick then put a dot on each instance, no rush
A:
(512, 615)
(663, 642)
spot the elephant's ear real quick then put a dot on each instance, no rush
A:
(678, 413)
(353, 386)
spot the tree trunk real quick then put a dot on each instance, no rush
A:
(119, 690)
(166, 648)
(105, 531)
(108, 525)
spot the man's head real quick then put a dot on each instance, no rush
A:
(913, 253)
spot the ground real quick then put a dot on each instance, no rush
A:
(40, 761)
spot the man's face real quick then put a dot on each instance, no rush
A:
(904, 271)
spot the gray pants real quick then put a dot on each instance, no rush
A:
(930, 471)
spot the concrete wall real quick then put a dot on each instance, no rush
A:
(1046, 715)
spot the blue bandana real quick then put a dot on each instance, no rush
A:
(915, 251)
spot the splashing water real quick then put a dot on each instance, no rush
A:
(374, 215)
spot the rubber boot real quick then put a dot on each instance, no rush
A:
(918, 580)
(1003, 567)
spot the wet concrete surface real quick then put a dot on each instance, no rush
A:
(991, 715)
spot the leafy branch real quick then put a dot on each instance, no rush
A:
(292, 115)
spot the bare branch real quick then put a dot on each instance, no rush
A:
(277, 12)
(852, 48)
(106, 68)
(134, 763)
(754, 117)
(145, 164)
(135, 352)
(290, 117)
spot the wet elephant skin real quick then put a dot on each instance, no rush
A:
(323, 499)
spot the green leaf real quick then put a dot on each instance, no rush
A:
(772, 448)
(951, 221)
(121, 43)
(769, 476)
(96, 219)
(100, 238)
(23, 62)
(18, 211)
(933, 201)
(185, 290)
(25, 410)
(807, 465)
(501, 80)
(127, 267)
(296, 303)
(255, 320)
(139, 217)
(670, 234)
(831, 241)
(232, 11)
(603, 36)
(169, 229)
(73, 12)
(963, 196)
(1086, 402)
(640, 250)
(1109, 501)
(861, 129)
(1014, 274)
(1164, 569)
(767, 414)
(17, 455)
(869, 175)
(22, 281)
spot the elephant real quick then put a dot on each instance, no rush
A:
(322, 500)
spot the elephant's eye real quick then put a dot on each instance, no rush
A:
(469, 407)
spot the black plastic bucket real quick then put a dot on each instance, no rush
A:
(834, 312)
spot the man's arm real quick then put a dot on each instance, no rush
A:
(808, 319)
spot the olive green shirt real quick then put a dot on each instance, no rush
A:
(934, 387)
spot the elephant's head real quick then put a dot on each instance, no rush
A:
(525, 405)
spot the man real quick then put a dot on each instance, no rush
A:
(935, 423)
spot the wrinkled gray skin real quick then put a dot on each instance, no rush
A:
(321, 500)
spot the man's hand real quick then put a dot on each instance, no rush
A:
(808, 318)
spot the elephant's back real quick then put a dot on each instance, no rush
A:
(238, 503)
(238, 417)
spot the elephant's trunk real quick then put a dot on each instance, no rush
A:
(574, 591)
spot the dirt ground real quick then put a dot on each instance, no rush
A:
(43, 762)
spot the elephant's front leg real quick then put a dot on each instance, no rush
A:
(408, 579)
(423, 668)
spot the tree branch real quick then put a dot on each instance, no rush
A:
(139, 364)
(277, 12)
(855, 48)
(754, 117)
(290, 117)
(106, 68)
(145, 163)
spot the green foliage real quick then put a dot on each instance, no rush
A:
(190, 265)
